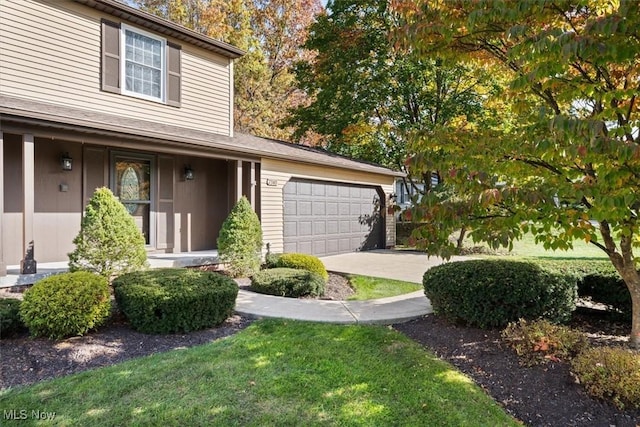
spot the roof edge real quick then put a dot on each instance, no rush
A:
(161, 25)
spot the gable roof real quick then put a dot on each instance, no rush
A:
(162, 26)
(28, 112)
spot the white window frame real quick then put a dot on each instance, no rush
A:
(123, 64)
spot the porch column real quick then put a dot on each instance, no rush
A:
(3, 265)
(28, 264)
(238, 180)
(253, 185)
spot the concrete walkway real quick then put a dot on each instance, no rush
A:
(391, 264)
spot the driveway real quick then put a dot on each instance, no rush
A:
(388, 263)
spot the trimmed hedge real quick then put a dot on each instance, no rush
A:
(10, 321)
(610, 373)
(492, 293)
(304, 262)
(66, 304)
(288, 282)
(175, 299)
(598, 281)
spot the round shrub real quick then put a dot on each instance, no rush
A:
(10, 322)
(610, 373)
(303, 262)
(539, 341)
(492, 293)
(175, 299)
(288, 282)
(66, 304)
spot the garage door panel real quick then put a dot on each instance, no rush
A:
(319, 247)
(304, 207)
(319, 208)
(290, 207)
(325, 218)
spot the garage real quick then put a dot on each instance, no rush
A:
(328, 218)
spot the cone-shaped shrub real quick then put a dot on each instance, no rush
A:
(109, 243)
(240, 240)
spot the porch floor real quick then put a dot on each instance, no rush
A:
(156, 260)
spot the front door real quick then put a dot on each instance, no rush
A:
(132, 185)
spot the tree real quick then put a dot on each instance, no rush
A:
(569, 167)
(368, 95)
(109, 242)
(240, 240)
(271, 32)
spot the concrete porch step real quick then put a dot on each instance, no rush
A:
(156, 260)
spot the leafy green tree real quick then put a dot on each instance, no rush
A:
(240, 240)
(569, 167)
(109, 242)
(368, 95)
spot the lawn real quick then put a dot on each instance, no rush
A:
(526, 247)
(273, 373)
(366, 287)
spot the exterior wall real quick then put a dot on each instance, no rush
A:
(201, 205)
(188, 214)
(50, 51)
(276, 173)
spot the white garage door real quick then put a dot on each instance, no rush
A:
(327, 218)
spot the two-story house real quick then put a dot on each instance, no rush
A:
(97, 93)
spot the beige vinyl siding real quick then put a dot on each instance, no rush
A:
(50, 51)
(281, 172)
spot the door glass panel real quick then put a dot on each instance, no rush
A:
(133, 188)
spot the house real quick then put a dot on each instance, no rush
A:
(97, 93)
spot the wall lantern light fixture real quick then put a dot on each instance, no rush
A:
(189, 175)
(67, 162)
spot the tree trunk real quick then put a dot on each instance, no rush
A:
(624, 263)
(463, 233)
(632, 280)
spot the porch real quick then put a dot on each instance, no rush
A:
(156, 260)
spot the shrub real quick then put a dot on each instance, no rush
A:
(10, 321)
(492, 293)
(240, 240)
(271, 260)
(66, 304)
(288, 282)
(598, 281)
(109, 242)
(607, 289)
(174, 299)
(303, 262)
(538, 341)
(611, 374)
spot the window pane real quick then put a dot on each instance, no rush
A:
(144, 64)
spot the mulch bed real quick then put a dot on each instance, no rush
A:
(538, 396)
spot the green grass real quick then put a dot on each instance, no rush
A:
(526, 247)
(374, 287)
(273, 373)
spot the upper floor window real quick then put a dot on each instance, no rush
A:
(141, 64)
(144, 64)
